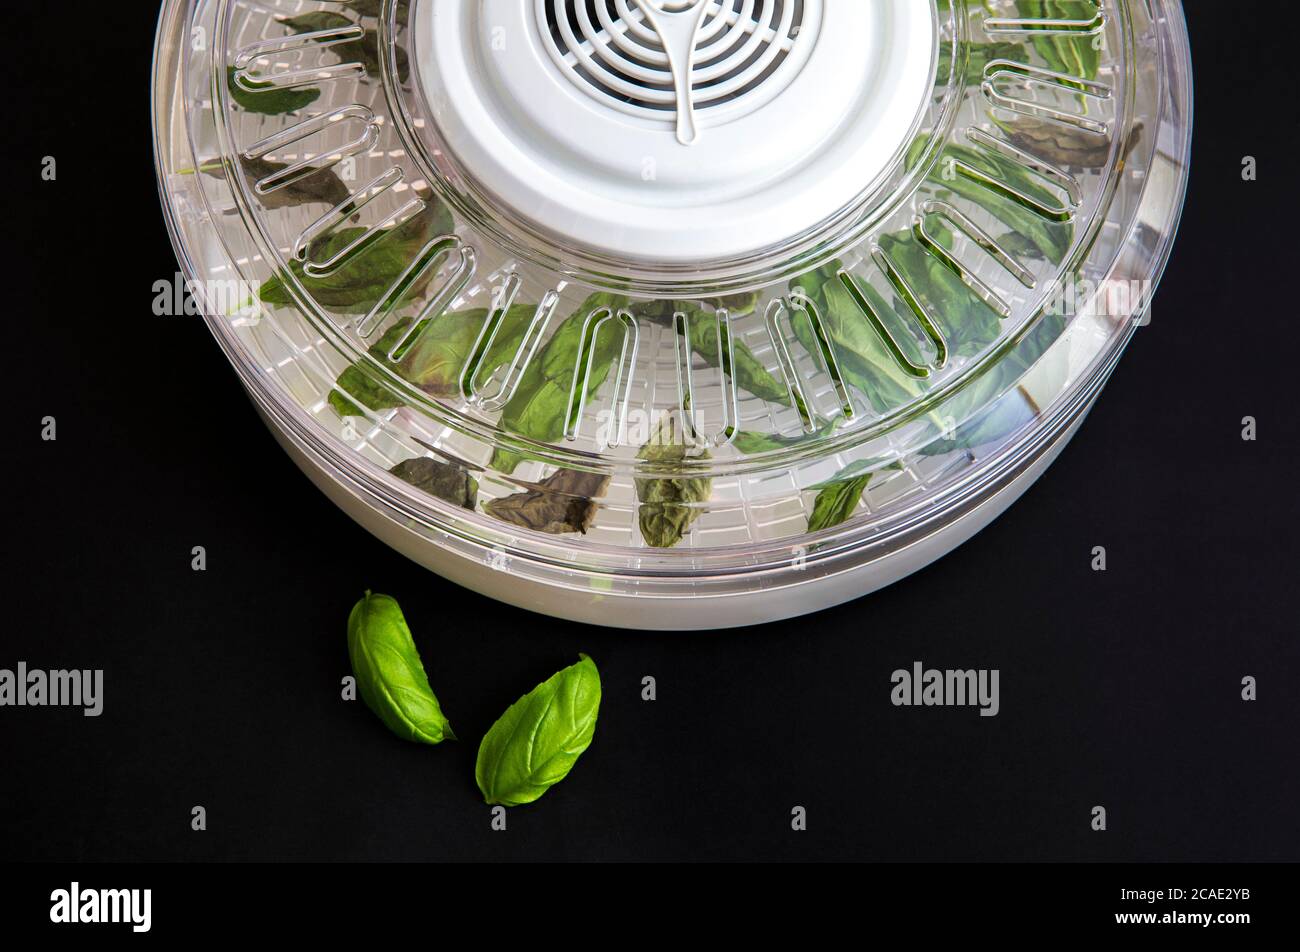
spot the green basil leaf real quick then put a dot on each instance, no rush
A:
(669, 505)
(978, 57)
(366, 278)
(373, 8)
(744, 368)
(751, 443)
(436, 360)
(839, 497)
(536, 742)
(364, 51)
(389, 673)
(539, 405)
(1073, 55)
(267, 99)
(363, 384)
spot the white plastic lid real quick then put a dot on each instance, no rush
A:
(572, 121)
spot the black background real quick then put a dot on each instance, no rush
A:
(1119, 688)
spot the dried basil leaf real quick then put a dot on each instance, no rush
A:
(446, 481)
(669, 505)
(267, 99)
(323, 185)
(563, 502)
(1057, 143)
(364, 51)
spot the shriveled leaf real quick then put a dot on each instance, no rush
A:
(669, 505)
(563, 502)
(373, 8)
(446, 481)
(1060, 145)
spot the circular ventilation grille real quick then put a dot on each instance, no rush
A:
(747, 51)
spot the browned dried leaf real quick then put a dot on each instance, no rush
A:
(563, 502)
(443, 480)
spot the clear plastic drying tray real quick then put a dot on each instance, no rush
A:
(673, 314)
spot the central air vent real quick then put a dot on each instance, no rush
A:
(747, 52)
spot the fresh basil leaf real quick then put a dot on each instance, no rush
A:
(978, 57)
(744, 368)
(839, 497)
(1053, 238)
(540, 403)
(747, 371)
(967, 323)
(1073, 55)
(356, 286)
(536, 742)
(364, 51)
(267, 99)
(563, 502)
(864, 360)
(373, 8)
(446, 481)
(364, 385)
(389, 673)
(751, 443)
(433, 361)
(436, 361)
(669, 505)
